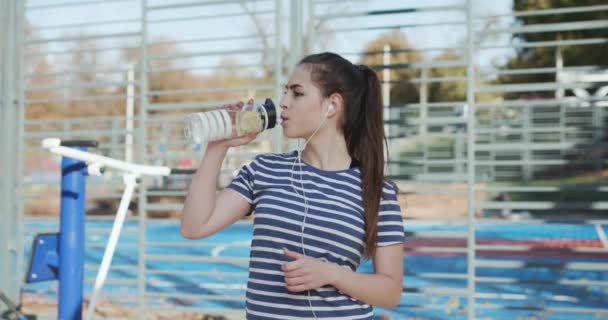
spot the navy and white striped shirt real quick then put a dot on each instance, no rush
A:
(334, 232)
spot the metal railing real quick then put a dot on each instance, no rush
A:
(497, 145)
(9, 135)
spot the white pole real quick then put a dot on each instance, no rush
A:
(559, 65)
(130, 181)
(386, 86)
(129, 114)
(386, 99)
(424, 100)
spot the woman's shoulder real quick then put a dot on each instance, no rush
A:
(390, 187)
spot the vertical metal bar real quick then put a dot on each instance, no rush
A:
(386, 99)
(598, 114)
(423, 123)
(129, 113)
(277, 138)
(459, 143)
(471, 247)
(5, 234)
(425, 156)
(559, 65)
(114, 152)
(67, 133)
(527, 140)
(296, 31)
(164, 137)
(3, 19)
(20, 144)
(492, 153)
(10, 104)
(310, 29)
(141, 149)
(8, 147)
(598, 132)
(71, 237)
(563, 121)
(295, 43)
(424, 100)
(386, 85)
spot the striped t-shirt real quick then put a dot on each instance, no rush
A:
(334, 233)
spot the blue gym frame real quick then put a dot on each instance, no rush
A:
(61, 256)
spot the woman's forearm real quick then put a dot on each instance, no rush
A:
(200, 201)
(375, 289)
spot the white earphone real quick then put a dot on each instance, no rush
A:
(331, 108)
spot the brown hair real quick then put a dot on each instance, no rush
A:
(363, 126)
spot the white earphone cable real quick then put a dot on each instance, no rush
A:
(299, 161)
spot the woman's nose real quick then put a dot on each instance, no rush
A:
(283, 103)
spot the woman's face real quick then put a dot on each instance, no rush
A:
(302, 105)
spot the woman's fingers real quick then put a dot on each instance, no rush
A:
(250, 104)
(298, 288)
(234, 106)
(295, 273)
(243, 140)
(296, 281)
(238, 141)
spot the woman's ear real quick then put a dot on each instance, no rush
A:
(337, 102)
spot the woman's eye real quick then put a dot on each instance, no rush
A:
(297, 94)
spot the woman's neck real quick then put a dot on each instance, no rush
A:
(328, 153)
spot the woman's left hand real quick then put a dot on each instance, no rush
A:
(306, 273)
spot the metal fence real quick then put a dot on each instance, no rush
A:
(9, 233)
(511, 149)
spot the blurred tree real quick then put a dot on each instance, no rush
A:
(451, 83)
(88, 95)
(402, 55)
(39, 74)
(165, 74)
(576, 55)
(448, 90)
(176, 81)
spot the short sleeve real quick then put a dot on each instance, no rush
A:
(244, 181)
(390, 221)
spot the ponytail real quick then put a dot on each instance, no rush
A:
(362, 124)
(368, 148)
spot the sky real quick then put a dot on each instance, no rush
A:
(202, 22)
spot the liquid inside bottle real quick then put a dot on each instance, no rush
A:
(202, 127)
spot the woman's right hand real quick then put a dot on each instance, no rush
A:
(206, 211)
(237, 141)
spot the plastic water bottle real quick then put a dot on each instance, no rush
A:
(202, 127)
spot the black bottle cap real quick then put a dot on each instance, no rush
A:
(271, 112)
(80, 143)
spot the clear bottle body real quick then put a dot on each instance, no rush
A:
(220, 124)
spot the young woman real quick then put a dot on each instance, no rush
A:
(318, 212)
